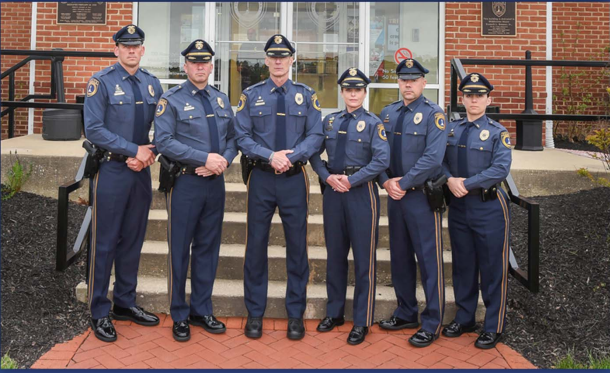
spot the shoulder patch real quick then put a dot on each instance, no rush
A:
(314, 101)
(439, 120)
(92, 87)
(381, 132)
(161, 106)
(242, 102)
(505, 136)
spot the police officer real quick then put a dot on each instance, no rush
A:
(358, 151)
(194, 127)
(478, 157)
(417, 138)
(278, 126)
(119, 110)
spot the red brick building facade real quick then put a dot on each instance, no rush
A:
(580, 31)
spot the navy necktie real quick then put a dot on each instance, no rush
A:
(339, 161)
(140, 135)
(463, 152)
(280, 123)
(396, 154)
(211, 119)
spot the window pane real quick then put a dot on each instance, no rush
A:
(326, 22)
(169, 28)
(413, 26)
(380, 97)
(242, 30)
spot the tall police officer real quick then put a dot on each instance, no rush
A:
(358, 152)
(119, 110)
(417, 137)
(194, 127)
(478, 157)
(279, 128)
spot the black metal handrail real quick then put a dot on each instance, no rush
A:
(56, 57)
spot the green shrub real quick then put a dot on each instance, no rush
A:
(15, 178)
(568, 362)
(8, 363)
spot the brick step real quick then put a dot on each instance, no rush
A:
(153, 262)
(234, 229)
(228, 299)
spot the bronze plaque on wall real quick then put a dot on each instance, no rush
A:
(498, 18)
(92, 13)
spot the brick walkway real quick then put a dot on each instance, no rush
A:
(154, 347)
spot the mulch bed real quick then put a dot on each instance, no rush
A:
(39, 306)
(563, 143)
(571, 313)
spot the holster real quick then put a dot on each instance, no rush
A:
(434, 191)
(247, 165)
(168, 172)
(94, 158)
(489, 194)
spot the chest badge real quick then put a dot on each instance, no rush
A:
(418, 118)
(118, 91)
(329, 125)
(221, 103)
(360, 126)
(298, 98)
(484, 135)
(151, 90)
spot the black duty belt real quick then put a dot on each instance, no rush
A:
(190, 170)
(486, 194)
(349, 170)
(110, 156)
(296, 168)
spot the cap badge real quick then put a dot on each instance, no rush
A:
(353, 72)
(409, 63)
(474, 78)
(278, 39)
(199, 44)
(131, 29)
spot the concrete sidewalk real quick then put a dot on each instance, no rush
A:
(141, 347)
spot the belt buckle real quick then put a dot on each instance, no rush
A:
(277, 172)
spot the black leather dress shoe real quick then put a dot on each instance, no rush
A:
(296, 329)
(396, 323)
(422, 338)
(356, 336)
(487, 340)
(181, 331)
(329, 323)
(135, 314)
(209, 323)
(254, 327)
(455, 329)
(103, 329)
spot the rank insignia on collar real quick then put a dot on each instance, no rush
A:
(439, 120)
(118, 91)
(418, 118)
(360, 126)
(484, 135)
(92, 87)
(161, 107)
(298, 98)
(151, 90)
(221, 103)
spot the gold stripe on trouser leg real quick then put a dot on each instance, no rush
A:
(502, 310)
(370, 302)
(439, 267)
(170, 271)
(306, 224)
(247, 219)
(93, 242)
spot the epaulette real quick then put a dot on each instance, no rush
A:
(147, 72)
(172, 90)
(496, 124)
(106, 71)
(256, 85)
(303, 85)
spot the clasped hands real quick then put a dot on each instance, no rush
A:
(339, 183)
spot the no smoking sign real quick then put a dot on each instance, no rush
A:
(402, 54)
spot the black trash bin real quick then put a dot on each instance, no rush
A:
(61, 124)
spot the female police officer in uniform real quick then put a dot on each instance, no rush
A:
(358, 152)
(194, 126)
(478, 157)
